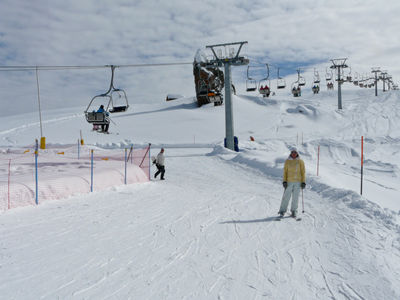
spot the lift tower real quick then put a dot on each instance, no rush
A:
(227, 59)
(383, 77)
(376, 71)
(339, 63)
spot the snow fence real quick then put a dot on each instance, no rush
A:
(29, 179)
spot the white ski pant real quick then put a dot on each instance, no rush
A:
(292, 190)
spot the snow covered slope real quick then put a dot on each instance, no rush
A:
(208, 231)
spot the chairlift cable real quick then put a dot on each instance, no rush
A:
(55, 68)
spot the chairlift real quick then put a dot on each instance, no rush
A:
(328, 75)
(356, 79)
(300, 79)
(315, 88)
(296, 89)
(114, 101)
(329, 85)
(264, 86)
(361, 82)
(348, 76)
(316, 77)
(281, 83)
(251, 84)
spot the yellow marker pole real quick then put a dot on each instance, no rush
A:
(42, 138)
(42, 142)
(82, 141)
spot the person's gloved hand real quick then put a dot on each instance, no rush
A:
(284, 184)
(303, 185)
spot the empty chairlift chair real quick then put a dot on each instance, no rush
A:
(251, 84)
(281, 83)
(301, 81)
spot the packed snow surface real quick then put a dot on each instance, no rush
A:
(209, 230)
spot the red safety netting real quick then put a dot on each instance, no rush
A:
(64, 172)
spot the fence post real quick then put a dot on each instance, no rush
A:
(362, 163)
(9, 175)
(318, 162)
(149, 161)
(36, 171)
(91, 170)
(126, 159)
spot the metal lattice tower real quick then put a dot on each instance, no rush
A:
(339, 64)
(376, 71)
(230, 57)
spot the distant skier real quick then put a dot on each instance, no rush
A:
(159, 161)
(294, 178)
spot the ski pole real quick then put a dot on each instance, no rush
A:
(302, 199)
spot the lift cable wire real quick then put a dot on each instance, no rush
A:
(55, 68)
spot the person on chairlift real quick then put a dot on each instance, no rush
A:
(104, 127)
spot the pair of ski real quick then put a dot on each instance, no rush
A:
(278, 218)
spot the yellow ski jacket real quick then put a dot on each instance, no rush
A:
(294, 170)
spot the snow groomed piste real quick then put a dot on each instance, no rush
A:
(209, 231)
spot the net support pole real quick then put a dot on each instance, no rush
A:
(91, 170)
(362, 164)
(126, 159)
(149, 160)
(9, 178)
(318, 161)
(36, 172)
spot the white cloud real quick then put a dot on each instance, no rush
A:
(131, 32)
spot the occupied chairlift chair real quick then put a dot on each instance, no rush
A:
(264, 86)
(348, 76)
(296, 89)
(328, 78)
(361, 82)
(281, 83)
(355, 78)
(109, 99)
(317, 80)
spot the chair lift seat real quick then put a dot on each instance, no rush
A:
(97, 118)
(121, 108)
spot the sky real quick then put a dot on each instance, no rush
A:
(288, 34)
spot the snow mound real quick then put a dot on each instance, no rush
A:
(307, 110)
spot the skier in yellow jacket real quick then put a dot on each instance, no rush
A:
(294, 178)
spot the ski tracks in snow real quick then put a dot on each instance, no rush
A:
(207, 232)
